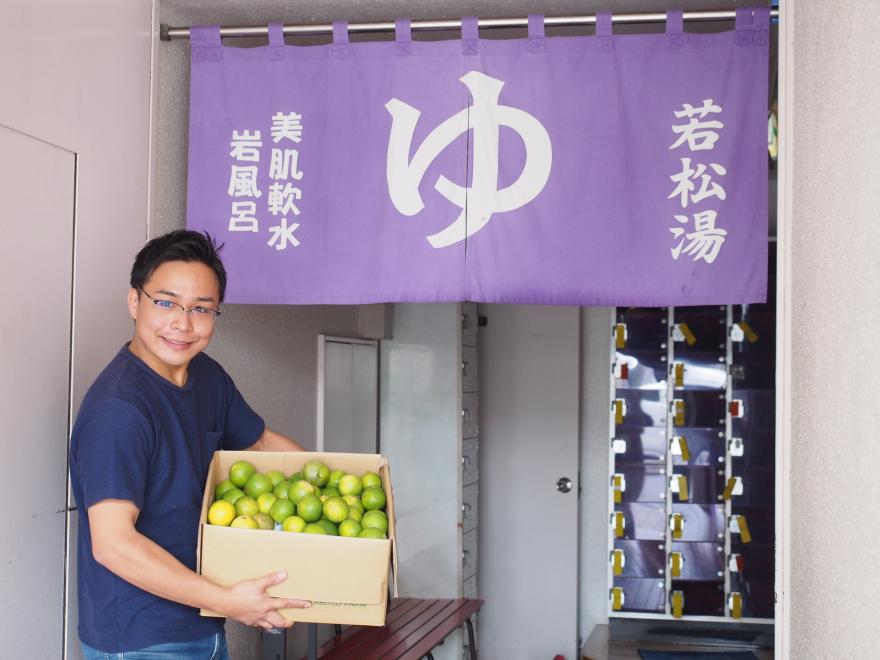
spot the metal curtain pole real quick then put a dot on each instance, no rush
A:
(167, 33)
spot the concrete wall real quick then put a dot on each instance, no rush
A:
(835, 285)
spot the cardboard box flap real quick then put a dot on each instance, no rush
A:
(305, 557)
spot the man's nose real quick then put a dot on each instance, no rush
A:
(182, 319)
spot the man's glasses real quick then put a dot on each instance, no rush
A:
(201, 316)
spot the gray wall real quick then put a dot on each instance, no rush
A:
(835, 287)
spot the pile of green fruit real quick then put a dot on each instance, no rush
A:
(314, 501)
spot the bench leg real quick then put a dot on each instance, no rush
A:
(471, 642)
(313, 641)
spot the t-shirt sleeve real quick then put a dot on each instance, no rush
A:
(243, 426)
(113, 444)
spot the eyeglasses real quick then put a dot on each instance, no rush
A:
(199, 315)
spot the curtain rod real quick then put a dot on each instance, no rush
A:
(167, 33)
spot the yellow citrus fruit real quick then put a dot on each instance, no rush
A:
(316, 473)
(373, 497)
(281, 490)
(264, 520)
(244, 522)
(293, 524)
(350, 484)
(376, 519)
(314, 528)
(281, 509)
(310, 508)
(246, 506)
(349, 528)
(335, 509)
(265, 502)
(356, 513)
(240, 472)
(371, 533)
(221, 513)
(257, 484)
(222, 488)
(371, 479)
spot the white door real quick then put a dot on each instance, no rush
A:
(529, 400)
(348, 396)
(36, 248)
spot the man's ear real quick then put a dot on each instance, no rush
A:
(133, 303)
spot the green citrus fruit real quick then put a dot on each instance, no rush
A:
(356, 513)
(354, 500)
(316, 473)
(281, 510)
(265, 502)
(309, 508)
(373, 497)
(371, 479)
(293, 524)
(222, 488)
(299, 490)
(276, 477)
(349, 528)
(240, 472)
(335, 509)
(221, 513)
(376, 519)
(371, 533)
(331, 529)
(280, 490)
(350, 484)
(264, 520)
(335, 476)
(296, 476)
(233, 494)
(315, 528)
(246, 506)
(329, 492)
(244, 522)
(257, 484)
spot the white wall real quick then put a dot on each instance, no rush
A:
(835, 287)
(77, 75)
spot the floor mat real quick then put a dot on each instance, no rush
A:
(697, 655)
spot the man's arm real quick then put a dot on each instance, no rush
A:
(121, 549)
(271, 441)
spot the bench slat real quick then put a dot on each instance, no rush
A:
(412, 628)
(429, 634)
(366, 637)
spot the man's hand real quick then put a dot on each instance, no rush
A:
(249, 603)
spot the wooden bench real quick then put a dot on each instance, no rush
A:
(412, 628)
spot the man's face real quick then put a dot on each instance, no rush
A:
(166, 338)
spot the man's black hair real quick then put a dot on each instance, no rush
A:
(178, 245)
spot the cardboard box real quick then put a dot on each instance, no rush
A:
(345, 578)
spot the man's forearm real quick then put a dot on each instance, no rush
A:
(145, 564)
(272, 441)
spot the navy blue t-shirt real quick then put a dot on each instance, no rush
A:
(139, 437)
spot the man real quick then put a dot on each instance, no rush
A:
(139, 457)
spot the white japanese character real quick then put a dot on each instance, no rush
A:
(245, 146)
(243, 181)
(243, 217)
(287, 126)
(283, 234)
(705, 241)
(685, 187)
(697, 133)
(284, 164)
(280, 199)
